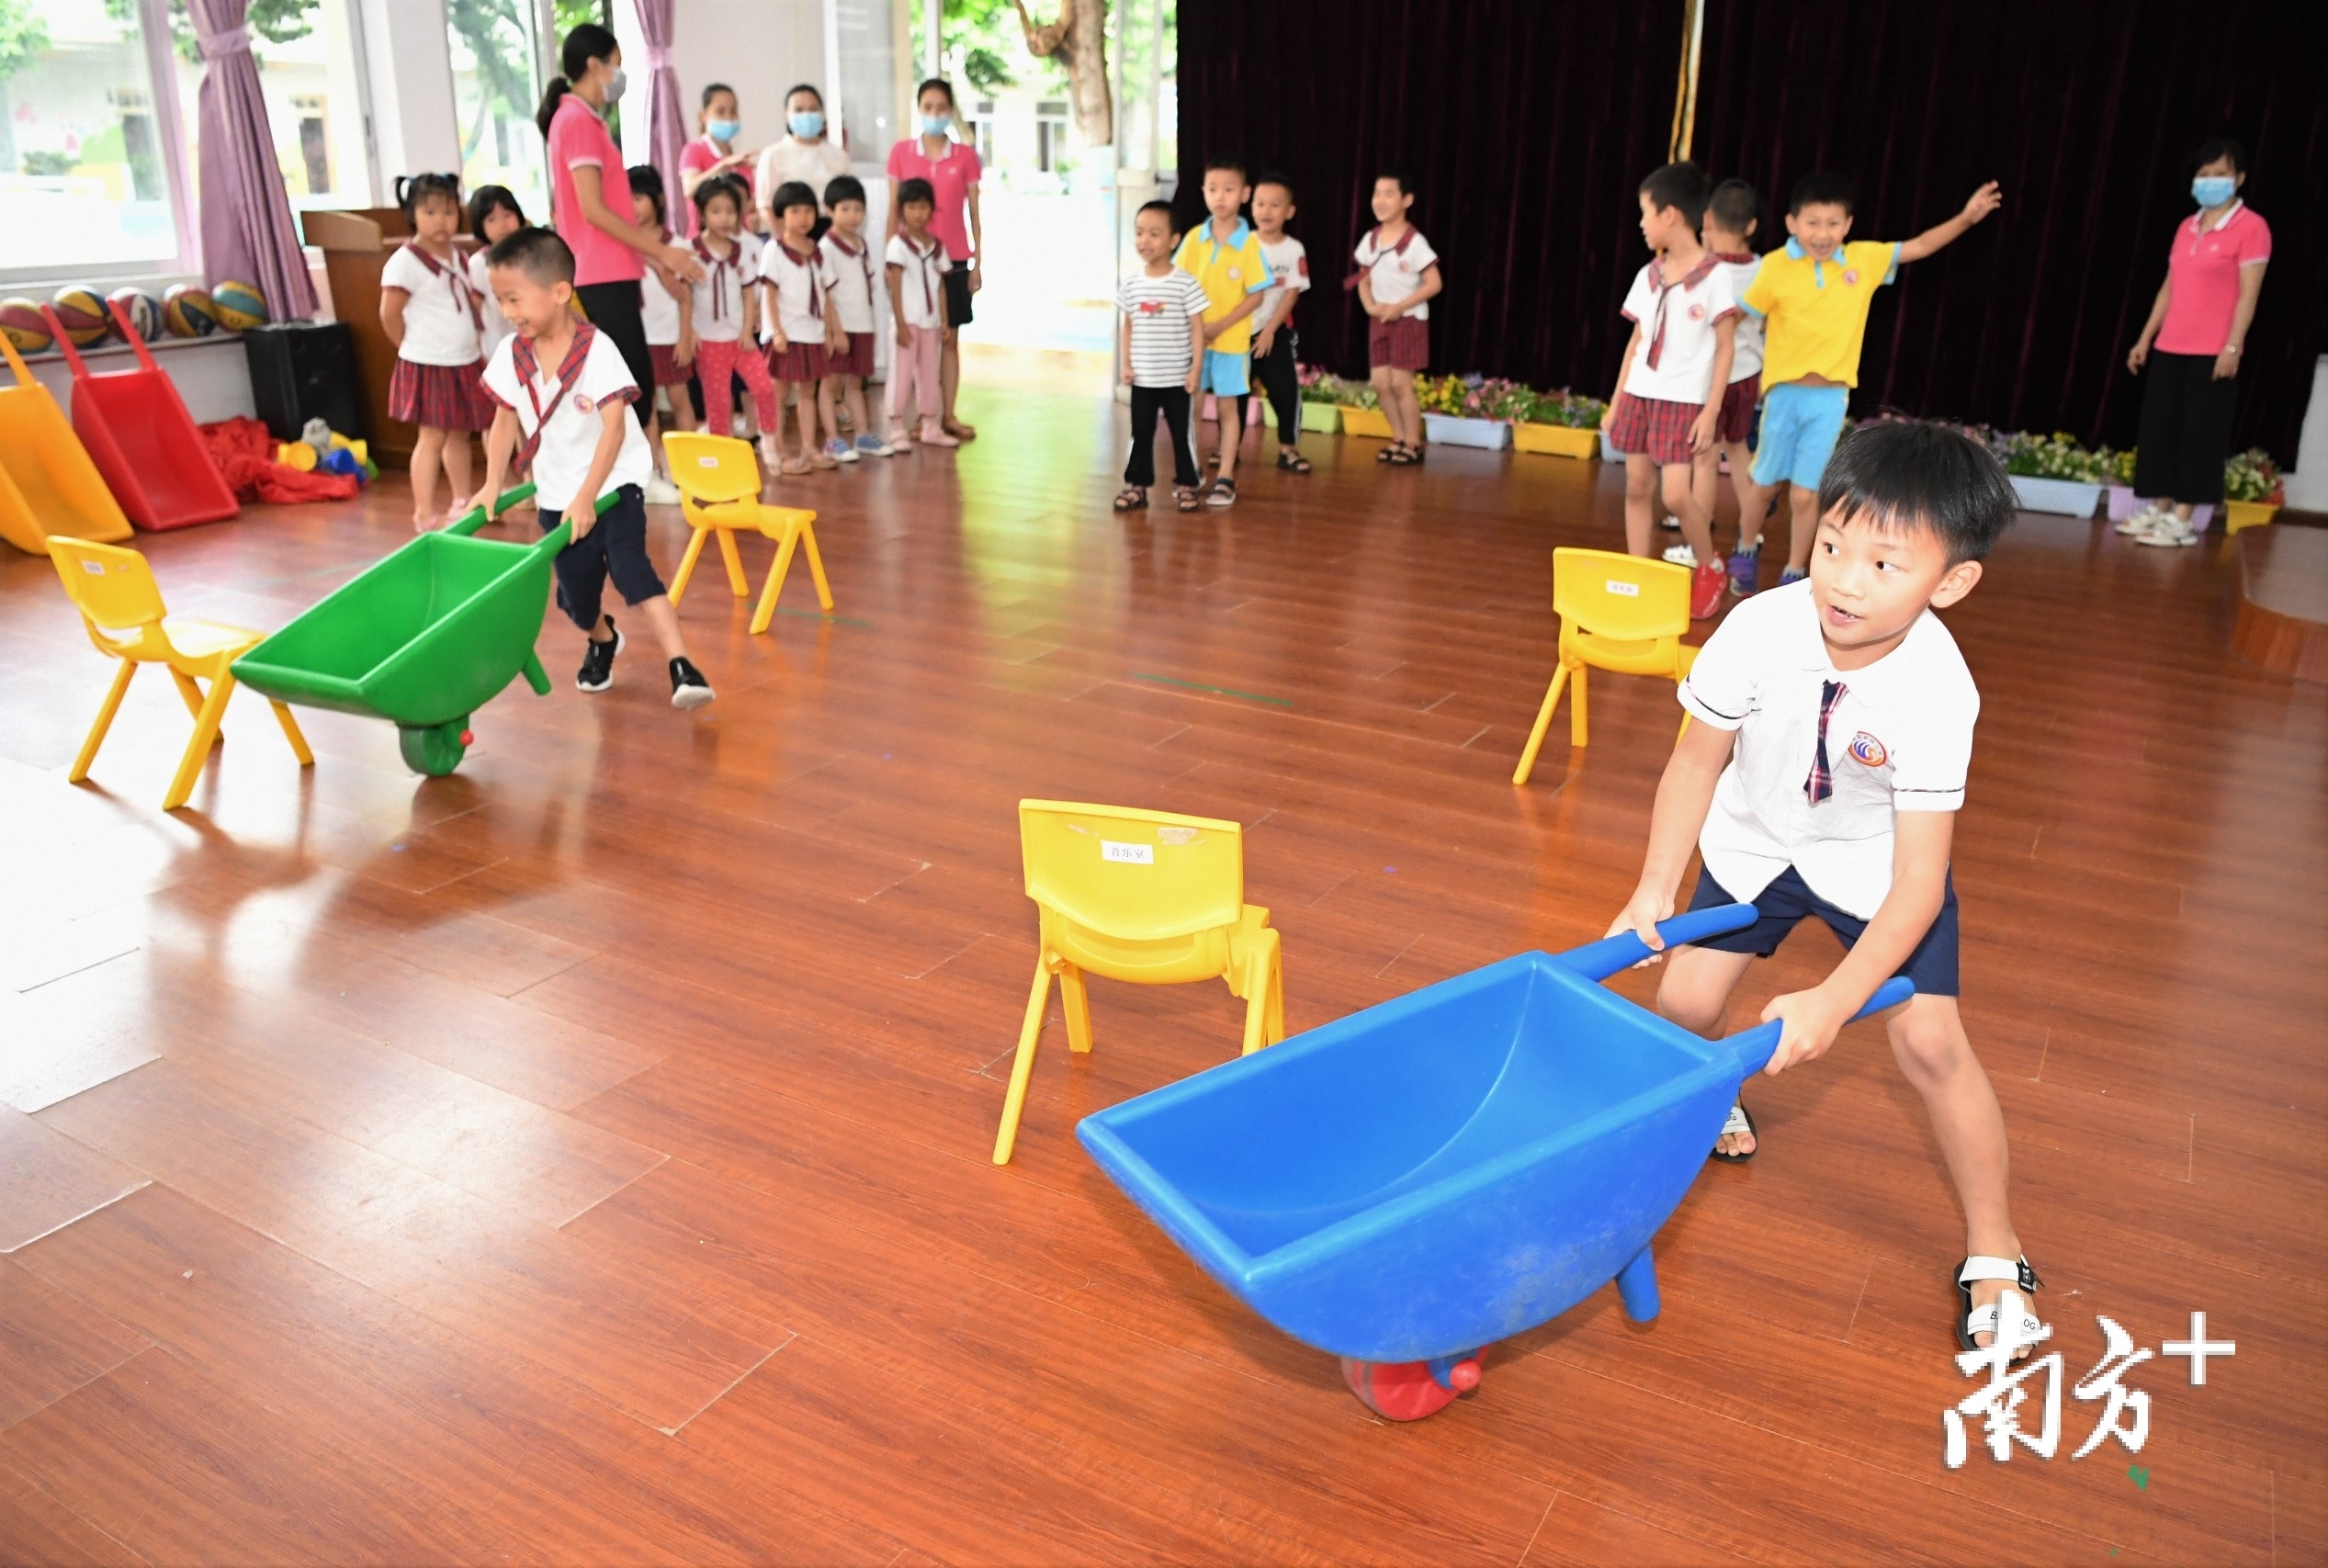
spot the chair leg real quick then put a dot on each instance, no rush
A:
(1075, 998)
(190, 693)
(1577, 735)
(816, 566)
(1023, 1066)
(105, 721)
(1543, 722)
(1276, 1021)
(738, 583)
(206, 730)
(767, 610)
(291, 733)
(687, 566)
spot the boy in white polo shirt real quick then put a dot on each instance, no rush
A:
(563, 386)
(1835, 729)
(1667, 403)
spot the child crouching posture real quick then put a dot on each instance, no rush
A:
(565, 390)
(438, 324)
(1835, 729)
(1396, 278)
(1676, 371)
(1163, 350)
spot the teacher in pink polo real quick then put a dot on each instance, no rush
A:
(952, 169)
(2190, 351)
(589, 203)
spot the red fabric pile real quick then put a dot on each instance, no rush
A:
(242, 450)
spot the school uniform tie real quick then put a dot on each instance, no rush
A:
(1821, 783)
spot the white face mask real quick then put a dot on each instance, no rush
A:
(615, 85)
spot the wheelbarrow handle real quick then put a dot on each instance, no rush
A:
(477, 518)
(1598, 960)
(1756, 1046)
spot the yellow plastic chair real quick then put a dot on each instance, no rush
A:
(1618, 613)
(122, 610)
(718, 479)
(1146, 897)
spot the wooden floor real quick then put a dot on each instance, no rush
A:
(583, 1158)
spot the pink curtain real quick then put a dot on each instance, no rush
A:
(246, 217)
(666, 121)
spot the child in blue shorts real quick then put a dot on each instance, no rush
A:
(1813, 296)
(1224, 257)
(1823, 778)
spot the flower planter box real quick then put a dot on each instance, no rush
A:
(2070, 498)
(1556, 440)
(1323, 418)
(2123, 502)
(2238, 514)
(1373, 424)
(1448, 430)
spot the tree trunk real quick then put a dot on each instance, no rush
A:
(1077, 40)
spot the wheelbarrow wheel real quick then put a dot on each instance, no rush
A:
(1406, 1391)
(435, 748)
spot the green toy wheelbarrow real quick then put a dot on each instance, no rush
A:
(424, 640)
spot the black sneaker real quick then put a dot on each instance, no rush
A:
(688, 688)
(597, 671)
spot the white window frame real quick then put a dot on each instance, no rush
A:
(169, 113)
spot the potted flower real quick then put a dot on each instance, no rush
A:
(1362, 412)
(1321, 399)
(2053, 473)
(2123, 503)
(1558, 424)
(2253, 492)
(1466, 410)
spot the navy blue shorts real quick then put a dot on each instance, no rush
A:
(617, 548)
(1788, 899)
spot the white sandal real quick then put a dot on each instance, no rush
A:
(1983, 1320)
(1739, 1122)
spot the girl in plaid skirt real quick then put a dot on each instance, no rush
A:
(436, 321)
(794, 320)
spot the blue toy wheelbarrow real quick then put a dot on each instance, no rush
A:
(1410, 1184)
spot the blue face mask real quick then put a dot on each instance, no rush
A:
(935, 124)
(2212, 191)
(807, 122)
(722, 130)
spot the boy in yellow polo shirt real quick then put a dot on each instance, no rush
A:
(1224, 257)
(1813, 296)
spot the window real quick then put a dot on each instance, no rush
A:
(91, 172)
(497, 54)
(1050, 133)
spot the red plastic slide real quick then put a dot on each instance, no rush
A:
(143, 440)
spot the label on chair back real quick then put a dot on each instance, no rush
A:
(706, 462)
(94, 568)
(1623, 589)
(1130, 854)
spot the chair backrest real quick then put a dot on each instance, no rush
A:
(1130, 875)
(112, 588)
(1620, 596)
(712, 468)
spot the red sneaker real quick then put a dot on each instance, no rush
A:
(1708, 583)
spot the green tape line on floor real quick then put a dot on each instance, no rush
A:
(1217, 690)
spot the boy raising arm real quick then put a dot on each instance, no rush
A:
(1835, 730)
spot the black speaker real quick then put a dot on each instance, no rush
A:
(303, 370)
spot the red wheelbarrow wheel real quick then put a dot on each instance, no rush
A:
(434, 749)
(1406, 1391)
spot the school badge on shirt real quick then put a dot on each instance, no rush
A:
(1867, 749)
(583, 403)
(1851, 278)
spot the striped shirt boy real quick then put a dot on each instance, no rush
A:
(1159, 308)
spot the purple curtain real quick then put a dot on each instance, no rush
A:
(2086, 110)
(1528, 127)
(666, 121)
(246, 217)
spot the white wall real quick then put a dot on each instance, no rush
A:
(410, 58)
(212, 374)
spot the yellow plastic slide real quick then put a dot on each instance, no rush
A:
(47, 483)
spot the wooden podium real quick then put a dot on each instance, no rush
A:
(357, 244)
